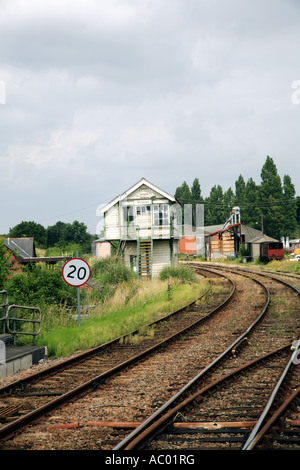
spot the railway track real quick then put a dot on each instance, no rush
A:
(27, 399)
(223, 423)
(235, 414)
(204, 346)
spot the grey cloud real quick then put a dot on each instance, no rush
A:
(101, 93)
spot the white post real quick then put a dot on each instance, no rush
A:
(78, 297)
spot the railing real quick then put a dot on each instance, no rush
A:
(14, 322)
(11, 323)
(3, 310)
(129, 232)
(134, 232)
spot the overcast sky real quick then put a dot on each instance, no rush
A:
(96, 94)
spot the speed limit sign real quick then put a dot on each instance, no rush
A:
(76, 272)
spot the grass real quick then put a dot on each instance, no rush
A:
(182, 273)
(133, 305)
(284, 266)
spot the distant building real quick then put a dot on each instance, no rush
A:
(294, 245)
(255, 246)
(225, 240)
(22, 251)
(144, 224)
(101, 248)
(22, 247)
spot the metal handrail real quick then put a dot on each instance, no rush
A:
(129, 232)
(3, 305)
(14, 331)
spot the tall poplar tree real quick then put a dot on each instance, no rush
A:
(250, 213)
(183, 196)
(270, 192)
(196, 198)
(289, 207)
(214, 208)
(240, 188)
(228, 203)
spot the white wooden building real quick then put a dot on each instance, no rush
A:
(143, 220)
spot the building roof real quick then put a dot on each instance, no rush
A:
(249, 232)
(24, 247)
(24, 250)
(262, 238)
(134, 188)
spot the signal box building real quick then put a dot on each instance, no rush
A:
(143, 220)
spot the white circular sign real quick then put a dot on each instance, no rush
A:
(76, 272)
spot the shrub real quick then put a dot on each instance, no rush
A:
(243, 250)
(111, 271)
(181, 273)
(40, 285)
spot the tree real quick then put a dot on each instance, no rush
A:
(6, 263)
(183, 196)
(240, 188)
(270, 192)
(55, 234)
(298, 212)
(250, 214)
(214, 213)
(196, 191)
(289, 207)
(228, 203)
(62, 234)
(30, 229)
(272, 202)
(196, 199)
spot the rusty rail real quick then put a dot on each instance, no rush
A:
(8, 430)
(262, 426)
(162, 416)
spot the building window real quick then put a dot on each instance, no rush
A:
(161, 214)
(128, 214)
(143, 210)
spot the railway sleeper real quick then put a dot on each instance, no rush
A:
(285, 440)
(220, 439)
(173, 430)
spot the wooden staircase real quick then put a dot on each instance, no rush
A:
(145, 255)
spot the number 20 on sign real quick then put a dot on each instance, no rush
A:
(76, 272)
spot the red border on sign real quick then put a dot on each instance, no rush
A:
(69, 261)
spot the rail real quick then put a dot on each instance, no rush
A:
(92, 383)
(13, 322)
(262, 426)
(160, 417)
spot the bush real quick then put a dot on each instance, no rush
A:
(243, 250)
(111, 271)
(68, 249)
(181, 273)
(40, 285)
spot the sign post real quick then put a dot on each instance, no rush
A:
(76, 272)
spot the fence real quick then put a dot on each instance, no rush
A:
(15, 318)
(3, 310)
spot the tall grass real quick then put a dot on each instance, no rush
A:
(284, 266)
(181, 273)
(133, 305)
